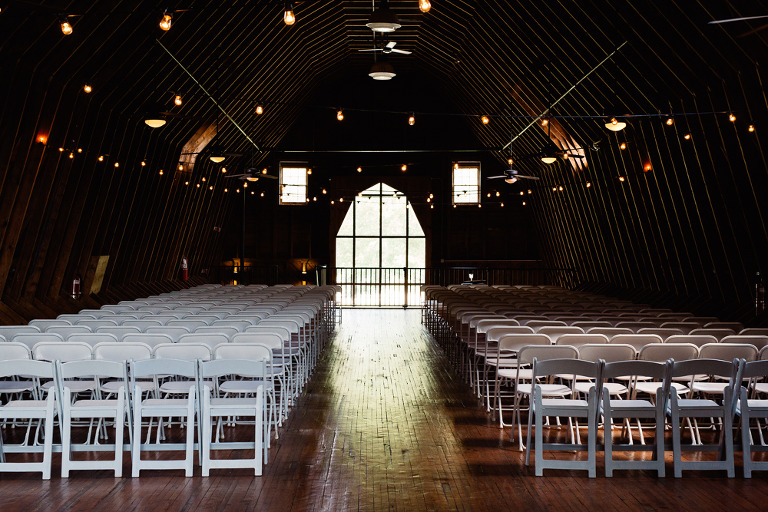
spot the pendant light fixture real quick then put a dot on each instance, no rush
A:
(154, 117)
(166, 21)
(288, 17)
(382, 71)
(66, 27)
(424, 6)
(615, 125)
(383, 19)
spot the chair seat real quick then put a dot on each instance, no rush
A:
(650, 387)
(75, 386)
(618, 405)
(546, 389)
(26, 405)
(81, 404)
(243, 386)
(171, 403)
(755, 406)
(710, 387)
(761, 387)
(233, 403)
(178, 386)
(525, 373)
(564, 403)
(504, 362)
(16, 386)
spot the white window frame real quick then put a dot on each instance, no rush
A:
(465, 194)
(297, 192)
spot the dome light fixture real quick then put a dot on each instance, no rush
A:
(615, 125)
(383, 20)
(382, 71)
(549, 159)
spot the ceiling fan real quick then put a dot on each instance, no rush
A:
(384, 19)
(252, 174)
(389, 48)
(512, 175)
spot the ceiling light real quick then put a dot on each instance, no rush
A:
(751, 128)
(621, 178)
(359, 169)
(143, 163)
(165, 22)
(177, 100)
(511, 179)
(412, 120)
(217, 157)
(71, 156)
(223, 170)
(549, 159)
(382, 71)
(687, 136)
(589, 184)
(404, 167)
(288, 17)
(101, 158)
(615, 125)
(647, 167)
(66, 28)
(181, 167)
(732, 118)
(340, 115)
(485, 119)
(117, 164)
(87, 88)
(161, 173)
(424, 5)
(670, 121)
(383, 20)
(252, 178)
(623, 146)
(259, 109)
(154, 121)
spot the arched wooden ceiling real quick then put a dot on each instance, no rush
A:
(506, 59)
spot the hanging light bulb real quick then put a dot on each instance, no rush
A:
(87, 88)
(411, 120)
(288, 17)
(732, 118)
(623, 146)
(751, 128)
(177, 100)
(404, 167)
(670, 121)
(340, 115)
(615, 125)
(424, 5)
(485, 119)
(66, 27)
(259, 109)
(165, 22)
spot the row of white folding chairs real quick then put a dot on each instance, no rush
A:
(552, 361)
(73, 378)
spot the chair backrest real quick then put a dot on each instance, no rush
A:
(229, 332)
(44, 323)
(663, 332)
(251, 351)
(189, 323)
(538, 324)
(92, 338)
(284, 333)
(10, 331)
(122, 351)
(589, 324)
(10, 350)
(515, 342)
(484, 325)
(94, 324)
(655, 370)
(697, 339)
(165, 366)
(267, 338)
(186, 351)
(635, 326)
(147, 338)
(637, 340)
(611, 332)
(760, 331)
(58, 351)
(752, 339)
(496, 333)
(663, 351)
(717, 333)
(32, 339)
(734, 326)
(175, 332)
(142, 324)
(119, 331)
(289, 324)
(566, 366)
(728, 351)
(755, 369)
(686, 327)
(210, 339)
(239, 325)
(23, 367)
(66, 331)
(243, 367)
(91, 367)
(577, 340)
(711, 367)
(609, 352)
(554, 332)
(527, 354)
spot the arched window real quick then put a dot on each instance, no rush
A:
(380, 250)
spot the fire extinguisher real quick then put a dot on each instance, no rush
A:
(184, 269)
(76, 287)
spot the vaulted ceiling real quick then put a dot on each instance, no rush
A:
(506, 59)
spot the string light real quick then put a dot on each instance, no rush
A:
(181, 167)
(166, 21)
(621, 178)
(339, 115)
(262, 194)
(177, 100)
(359, 169)
(143, 163)
(161, 173)
(71, 156)
(325, 191)
(498, 193)
(224, 170)
(100, 159)
(485, 119)
(404, 167)
(623, 146)
(502, 205)
(687, 136)
(751, 128)
(87, 88)
(424, 6)
(259, 109)
(411, 120)
(544, 122)
(589, 184)
(288, 17)
(732, 118)
(670, 121)
(117, 164)
(66, 28)
(647, 167)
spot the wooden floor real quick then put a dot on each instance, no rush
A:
(385, 424)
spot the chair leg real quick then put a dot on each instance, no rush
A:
(746, 443)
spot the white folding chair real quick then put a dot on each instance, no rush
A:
(210, 339)
(32, 339)
(752, 405)
(147, 338)
(93, 407)
(43, 324)
(680, 408)
(149, 404)
(215, 407)
(92, 338)
(31, 407)
(563, 405)
(119, 331)
(635, 409)
(175, 332)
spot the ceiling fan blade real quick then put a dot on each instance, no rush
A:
(404, 52)
(391, 44)
(496, 177)
(371, 50)
(528, 177)
(574, 156)
(744, 18)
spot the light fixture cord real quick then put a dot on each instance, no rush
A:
(566, 93)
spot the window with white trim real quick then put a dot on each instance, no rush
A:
(293, 182)
(466, 183)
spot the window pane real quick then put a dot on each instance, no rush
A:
(366, 252)
(414, 227)
(466, 183)
(393, 213)
(393, 252)
(344, 252)
(347, 227)
(416, 253)
(367, 217)
(293, 184)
